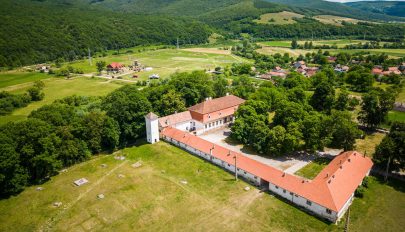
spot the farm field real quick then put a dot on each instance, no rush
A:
(57, 88)
(282, 47)
(284, 17)
(167, 61)
(153, 198)
(340, 43)
(335, 20)
(17, 78)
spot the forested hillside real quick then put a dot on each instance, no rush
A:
(34, 32)
(383, 7)
(337, 9)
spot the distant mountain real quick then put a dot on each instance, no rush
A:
(339, 9)
(382, 7)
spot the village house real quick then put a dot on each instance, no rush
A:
(328, 195)
(205, 116)
(115, 67)
(276, 72)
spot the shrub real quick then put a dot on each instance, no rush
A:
(359, 192)
(365, 182)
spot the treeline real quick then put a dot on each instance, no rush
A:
(31, 32)
(285, 119)
(70, 130)
(9, 102)
(315, 29)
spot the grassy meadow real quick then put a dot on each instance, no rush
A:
(11, 78)
(280, 18)
(335, 20)
(57, 88)
(153, 198)
(166, 61)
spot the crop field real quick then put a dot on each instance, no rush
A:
(175, 191)
(284, 17)
(17, 78)
(57, 88)
(167, 61)
(335, 20)
(273, 47)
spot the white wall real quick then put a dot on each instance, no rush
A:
(184, 126)
(152, 130)
(301, 201)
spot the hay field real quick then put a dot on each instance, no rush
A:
(57, 88)
(284, 17)
(167, 61)
(152, 198)
(335, 20)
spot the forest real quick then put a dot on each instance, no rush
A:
(43, 31)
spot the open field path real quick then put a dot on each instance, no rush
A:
(51, 221)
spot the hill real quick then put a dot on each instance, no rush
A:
(338, 9)
(382, 7)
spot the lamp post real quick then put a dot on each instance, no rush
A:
(235, 164)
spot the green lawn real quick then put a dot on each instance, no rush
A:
(152, 198)
(15, 78)
(311, 170)
(396, 116)
(165, 62)
(57, 88)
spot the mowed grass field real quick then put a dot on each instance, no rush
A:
(167, 61)
(273, 47)
(335, 20)
(280, 18)
(152, 198)
(57, 88)
(15, 78)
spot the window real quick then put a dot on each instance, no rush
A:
(291, 193)
(276, 187)
(209, 116)
(328, 211)
(209, 125)
(244, 172)
(229, 165)
(309, 203)
(284, 191)
(206, 126)
(255, 177)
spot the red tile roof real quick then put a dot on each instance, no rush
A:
(332, 188)
(217, 104)
(175, 118)
(115, 65)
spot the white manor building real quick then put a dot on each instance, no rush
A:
(328, 195)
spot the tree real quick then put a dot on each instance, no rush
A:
(345, 131)
(100, 66)
(128, 106)
(375, 106)
(35, 94)
(294, 44)
(342, 101)
(316, 131)
(323, 97)
(220, 87)
(170, 103)
(391, 150)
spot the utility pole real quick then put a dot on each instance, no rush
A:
(89, 56)
(177, 44)
(387, 169)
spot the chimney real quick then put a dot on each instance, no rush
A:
(327, 174)
(283, 174)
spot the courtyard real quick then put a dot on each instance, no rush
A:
(289, 164)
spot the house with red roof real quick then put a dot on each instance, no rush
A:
(115, 67)
(205, 116)
(328, 196)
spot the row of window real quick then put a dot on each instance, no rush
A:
(328, 211)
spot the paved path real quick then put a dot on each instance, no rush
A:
(287, 164)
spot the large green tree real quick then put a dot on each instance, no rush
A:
(375, 106)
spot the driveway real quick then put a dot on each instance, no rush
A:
(289, 164)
